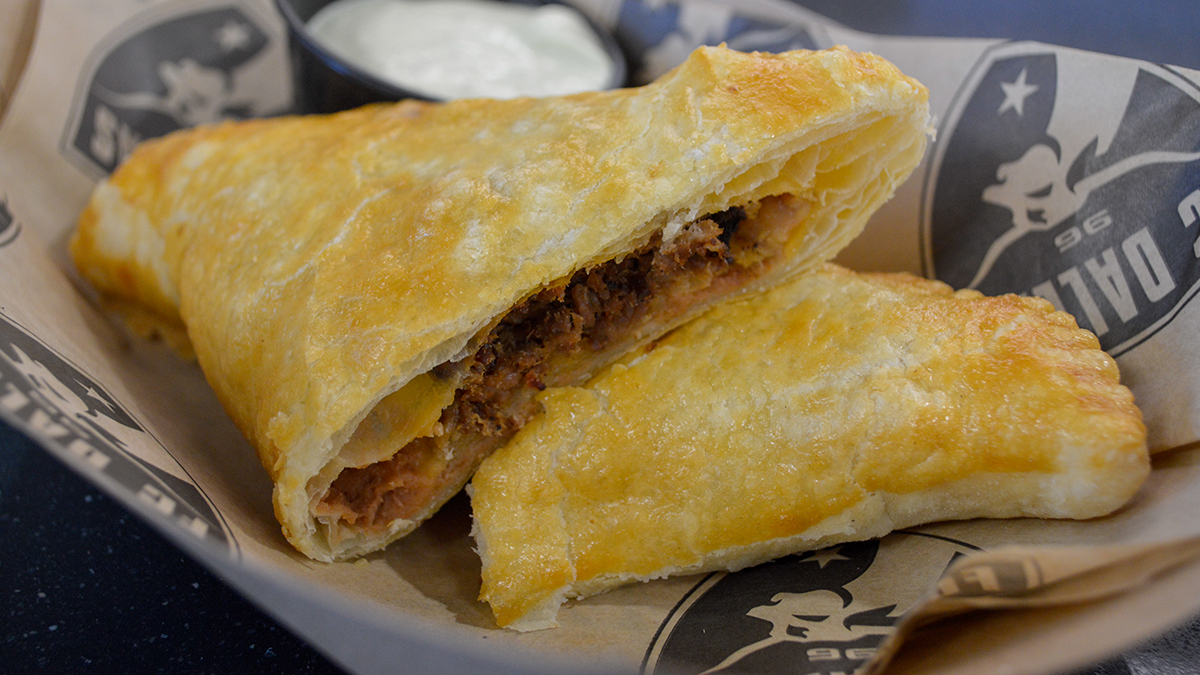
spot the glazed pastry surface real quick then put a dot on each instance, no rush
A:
(834, 407)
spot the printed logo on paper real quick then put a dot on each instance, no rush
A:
(10, 227)
(665, 33)
(156, 75)
(813, 613)
(53, 400)
(1074, 177)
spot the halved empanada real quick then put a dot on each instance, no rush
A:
(376, 295)
(835, 407)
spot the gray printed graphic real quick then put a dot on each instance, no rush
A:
(200, 67)
(1051, 178)
(665, 33)
(813, 612)
(10, 227)
(60, 406)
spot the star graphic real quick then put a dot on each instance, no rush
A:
(99, 401)
(1015, 94)
(826, 556)
(232, 35)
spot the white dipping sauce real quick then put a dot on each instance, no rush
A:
(466, 48)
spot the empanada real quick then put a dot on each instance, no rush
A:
(832, 408)
(376, 295)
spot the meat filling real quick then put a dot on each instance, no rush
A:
(557, 338)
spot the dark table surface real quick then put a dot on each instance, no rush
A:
(89, 588)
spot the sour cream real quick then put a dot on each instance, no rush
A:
(448, 49)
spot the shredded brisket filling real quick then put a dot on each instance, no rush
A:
(596, 311)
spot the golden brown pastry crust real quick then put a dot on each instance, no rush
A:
(320, 264)
(834, 407)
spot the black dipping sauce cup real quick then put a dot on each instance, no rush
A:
(324, 83)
